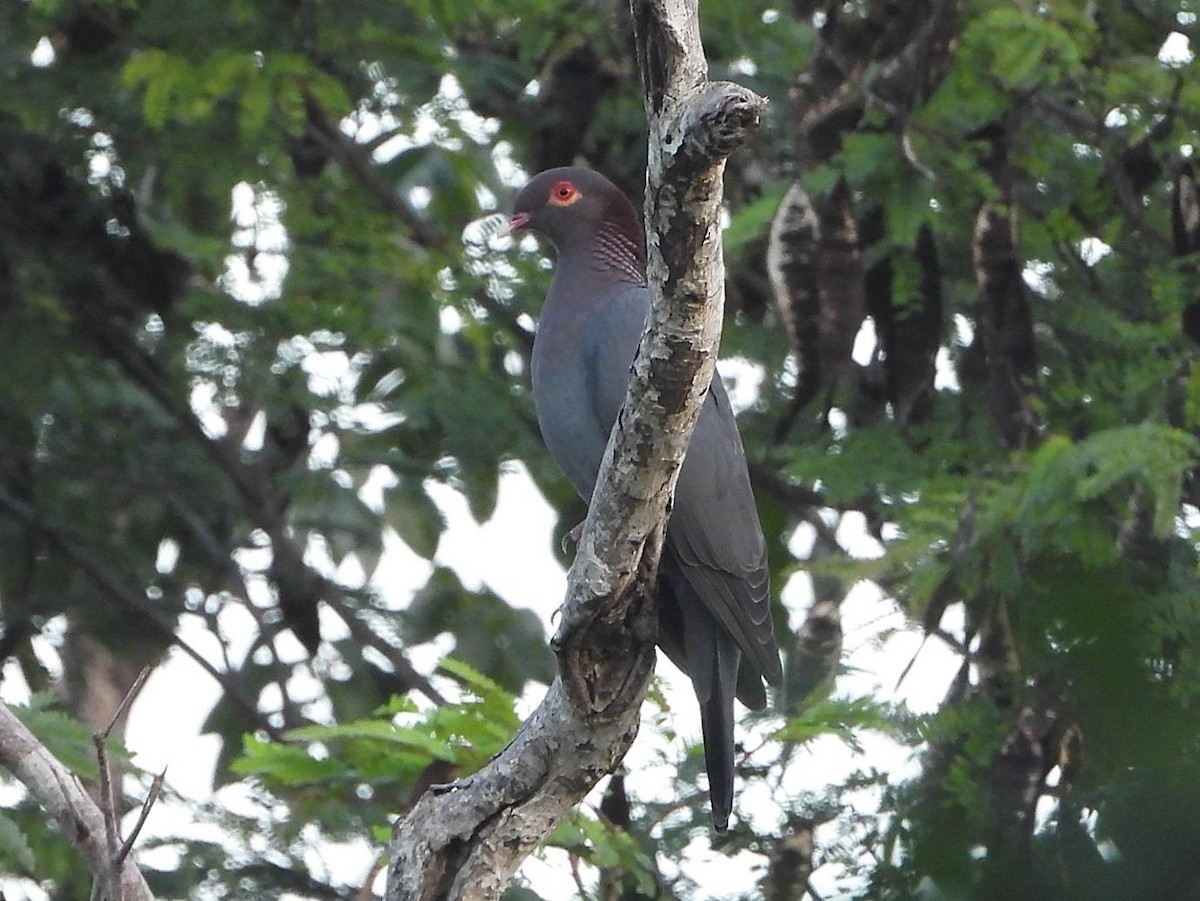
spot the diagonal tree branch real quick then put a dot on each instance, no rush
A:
(464, 841)
(58, 791)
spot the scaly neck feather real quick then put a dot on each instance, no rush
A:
(619, 251)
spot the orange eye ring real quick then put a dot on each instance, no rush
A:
(564, 193)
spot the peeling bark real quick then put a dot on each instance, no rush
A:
(463, 841)
(817, 651)
(878, 58)
(789, 864)
(886, 56)
(909, 330)
(573, 79)
(996, 659)
(792, 267)
(792, 252)
(816, 265)
(841, 276)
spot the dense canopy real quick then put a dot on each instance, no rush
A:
(253, 355)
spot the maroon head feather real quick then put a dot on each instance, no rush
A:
(582, 211)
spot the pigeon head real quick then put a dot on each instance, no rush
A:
(582, 212)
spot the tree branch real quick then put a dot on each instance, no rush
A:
(116, 590)
(465, 840)
(62, 795)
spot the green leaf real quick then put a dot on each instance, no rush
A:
(752, 222)
(15, 853)
(415, 517)
(1154, 455)
(471, 678)
(842, 718)
(606, 848)
(866, 155)
(1025, 49)
(68, 740)
(255, 107)
(283, 763)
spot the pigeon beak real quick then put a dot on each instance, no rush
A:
(518, 220)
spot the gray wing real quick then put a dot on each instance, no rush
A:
(714, 543)
(715, 538)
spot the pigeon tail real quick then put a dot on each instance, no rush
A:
(716, 724)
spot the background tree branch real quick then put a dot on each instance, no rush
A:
(465, 840)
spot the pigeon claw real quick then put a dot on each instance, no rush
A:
(573, 536)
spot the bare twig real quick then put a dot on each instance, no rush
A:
(123, 852)
(368, 637)
(263, 505)
(356, 160)
(58, 791)
(108, 807)
(134, 690)
(108, 804)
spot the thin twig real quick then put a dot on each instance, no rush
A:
(366, 891)
(111, 829)
(574, 858)
(355, 160)
(367, 636)
(108, 808)
(152, 796)
(76, 813)
(108, 803)
(133, 692)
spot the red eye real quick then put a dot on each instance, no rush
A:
(563, 193)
